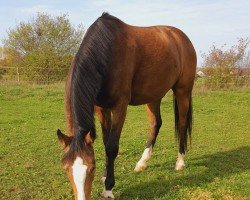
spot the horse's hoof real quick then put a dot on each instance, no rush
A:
(107, 194)
(179, 168)
(179, 165)
(140, 167)
(103, 198)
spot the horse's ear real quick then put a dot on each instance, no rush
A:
(64, 139)
(88, 139)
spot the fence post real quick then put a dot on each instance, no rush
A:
(18, 76)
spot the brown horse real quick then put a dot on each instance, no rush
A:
(119, 65)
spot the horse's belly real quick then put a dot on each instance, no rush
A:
(144, 92)
(148, 94)
(140, 99)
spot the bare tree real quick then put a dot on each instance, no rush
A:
(223, 65)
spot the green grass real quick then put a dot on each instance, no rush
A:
(218, 164)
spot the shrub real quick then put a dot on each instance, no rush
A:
(222, 66)
(42, 49)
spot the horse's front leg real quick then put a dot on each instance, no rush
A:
(112, 147)
(104, 116)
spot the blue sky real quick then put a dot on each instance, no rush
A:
(205, 22)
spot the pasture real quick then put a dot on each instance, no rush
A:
(218, 163)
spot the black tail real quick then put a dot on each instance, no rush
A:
(188, 129)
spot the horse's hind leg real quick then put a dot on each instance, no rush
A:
(154, 114)
(183, 122)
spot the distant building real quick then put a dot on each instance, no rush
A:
(200, 74)
(237, 71)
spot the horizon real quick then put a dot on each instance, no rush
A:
(205, 23)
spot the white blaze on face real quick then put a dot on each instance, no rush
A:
(142, 163)
(79, 171)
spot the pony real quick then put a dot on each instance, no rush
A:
(119, 65)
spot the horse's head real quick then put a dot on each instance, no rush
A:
(79, 165)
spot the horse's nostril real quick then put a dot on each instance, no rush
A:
(91, 168)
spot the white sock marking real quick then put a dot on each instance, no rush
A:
(108, 194)
(180, 162)
(142, 163)
(103, 179)
(79, 175)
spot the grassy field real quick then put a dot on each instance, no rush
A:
(218, 164)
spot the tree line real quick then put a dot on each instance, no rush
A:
(41, 51)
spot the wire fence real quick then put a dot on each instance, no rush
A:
(46, 76)
(35, 75)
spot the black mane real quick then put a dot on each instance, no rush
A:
(90, 66)
(106, 15)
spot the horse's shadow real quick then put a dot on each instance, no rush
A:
(214, 166)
